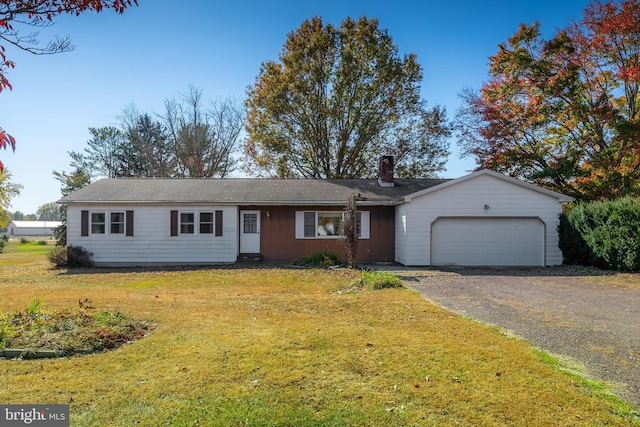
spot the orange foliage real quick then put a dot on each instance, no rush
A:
(564, 112)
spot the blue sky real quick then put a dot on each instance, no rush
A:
(155, 51)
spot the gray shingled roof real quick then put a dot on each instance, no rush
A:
(246, 191)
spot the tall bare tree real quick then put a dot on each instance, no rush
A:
(203, 138)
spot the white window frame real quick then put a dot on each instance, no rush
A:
(197, 222)
(108, 223)
(251, 226)
(123, 222)
(327, 224)
(211, 223)
(93, 223)
(364, 229)
(181, 224)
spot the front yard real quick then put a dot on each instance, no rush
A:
(279, 347)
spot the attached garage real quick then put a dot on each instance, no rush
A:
(487, 242)
(481, 219)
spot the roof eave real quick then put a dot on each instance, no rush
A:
(384, 202)
(561, 197)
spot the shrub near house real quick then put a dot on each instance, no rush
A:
(605, 234)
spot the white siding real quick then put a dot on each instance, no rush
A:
(468, 199)
(401, 234)
(152, 242)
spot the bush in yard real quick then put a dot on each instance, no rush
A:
(575, 251)
(71, 257)
(77, 256)
(320, 259)
(58, 256)
(377, 280)
(605, 234)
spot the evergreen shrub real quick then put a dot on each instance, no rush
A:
(605, 234)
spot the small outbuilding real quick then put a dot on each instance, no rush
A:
(32, 228)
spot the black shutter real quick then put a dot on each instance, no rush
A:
(129, 223)
(174, 223)
(84, 223)
(218, 223)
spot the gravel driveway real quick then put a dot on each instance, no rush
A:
(555, 309)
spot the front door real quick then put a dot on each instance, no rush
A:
(250, 232)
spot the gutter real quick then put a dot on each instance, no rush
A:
(368, 202)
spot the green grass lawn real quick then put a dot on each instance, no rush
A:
(17, 253)
(258, 347)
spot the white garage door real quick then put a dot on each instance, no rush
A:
(487, 242)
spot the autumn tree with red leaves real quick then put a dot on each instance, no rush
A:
(563, 113)
(16, 15)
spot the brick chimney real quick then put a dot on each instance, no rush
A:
(385, 173)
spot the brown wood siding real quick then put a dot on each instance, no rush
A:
(279, 243)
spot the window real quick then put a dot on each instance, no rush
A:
(309, 224)
(117, 223)
(250, 223)
(98, 224)
(187, 223)
(321, 225)
(328, 224)
(206, 222)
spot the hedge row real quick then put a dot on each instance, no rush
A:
(603, 234)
